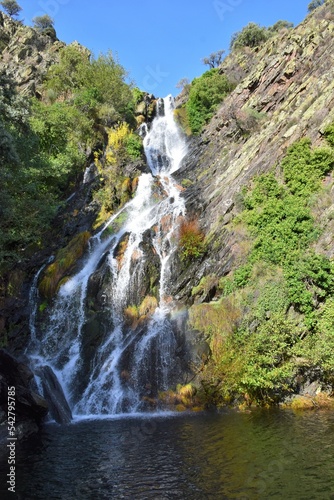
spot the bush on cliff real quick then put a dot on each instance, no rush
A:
(206, 92)
(282, 296)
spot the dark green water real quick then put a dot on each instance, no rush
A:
(258, 455)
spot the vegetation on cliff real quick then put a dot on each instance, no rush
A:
(262, 169)
(274, 320)
(47, 141)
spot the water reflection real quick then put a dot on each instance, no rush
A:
(259, 455)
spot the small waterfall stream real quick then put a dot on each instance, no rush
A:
(130, 363)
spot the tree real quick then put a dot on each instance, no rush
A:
(279, 25)
(251, 35)
(183, 84)
(214, 59)
(11, 7)
(43, 22)
(206, 92)
(314, 4)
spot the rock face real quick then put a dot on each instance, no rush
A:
(26, 54)
(54, 394)
(30, 407)
(285, 92)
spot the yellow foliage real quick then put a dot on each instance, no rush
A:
(116, 142)
(126, 185)
(102, 217)
(110, 158)
(148, 306)
(117, 136)
(302, 403)
(131, 316)
(180, 408)
(121, 249)
(97, 161)
(134, 184)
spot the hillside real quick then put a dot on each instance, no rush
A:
(284, 94)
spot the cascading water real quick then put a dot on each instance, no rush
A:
(130, 364)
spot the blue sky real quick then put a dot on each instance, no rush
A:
(159, 42)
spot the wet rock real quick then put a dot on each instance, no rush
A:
(30, 407)
(54, 394)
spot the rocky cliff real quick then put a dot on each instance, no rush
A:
(26, 54)
(285, 92)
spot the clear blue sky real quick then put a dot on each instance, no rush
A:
(159, 42)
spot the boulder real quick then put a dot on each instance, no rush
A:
(54, 394)
(30, 407)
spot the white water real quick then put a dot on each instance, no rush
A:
(157, 204)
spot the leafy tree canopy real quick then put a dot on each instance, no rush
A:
(11, 7)
(43, 22)
(251, 35)
(314, 4)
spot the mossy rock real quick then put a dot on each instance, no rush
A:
(102, 217)
(148, 306)
(66, 259)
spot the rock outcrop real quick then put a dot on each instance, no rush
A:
(30, 408)
(285, 92)
(26, 54)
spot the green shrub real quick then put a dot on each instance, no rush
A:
(329, 134)
(134, 146)
(205, 94)
(251, 35)
(304, 168)
(279, 25)
(314, 4)
(138, 95)
(267, 369)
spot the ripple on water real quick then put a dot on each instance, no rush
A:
(258, 455)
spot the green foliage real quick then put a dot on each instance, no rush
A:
(251, 35)
(26, 205)
(96, 87)
(310, 280)
(279, 217)
(329, 134)
(205, 94)
(304, 168)
(138, 95)
(69, 74)
(44, 144)
(283, 320)
(322, 344)
(267, 369)
(11, 7)
(134, 146)
(314, 4)
(61, 141)
(43, 22)
(279, 25)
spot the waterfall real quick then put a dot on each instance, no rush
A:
(130, 364)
